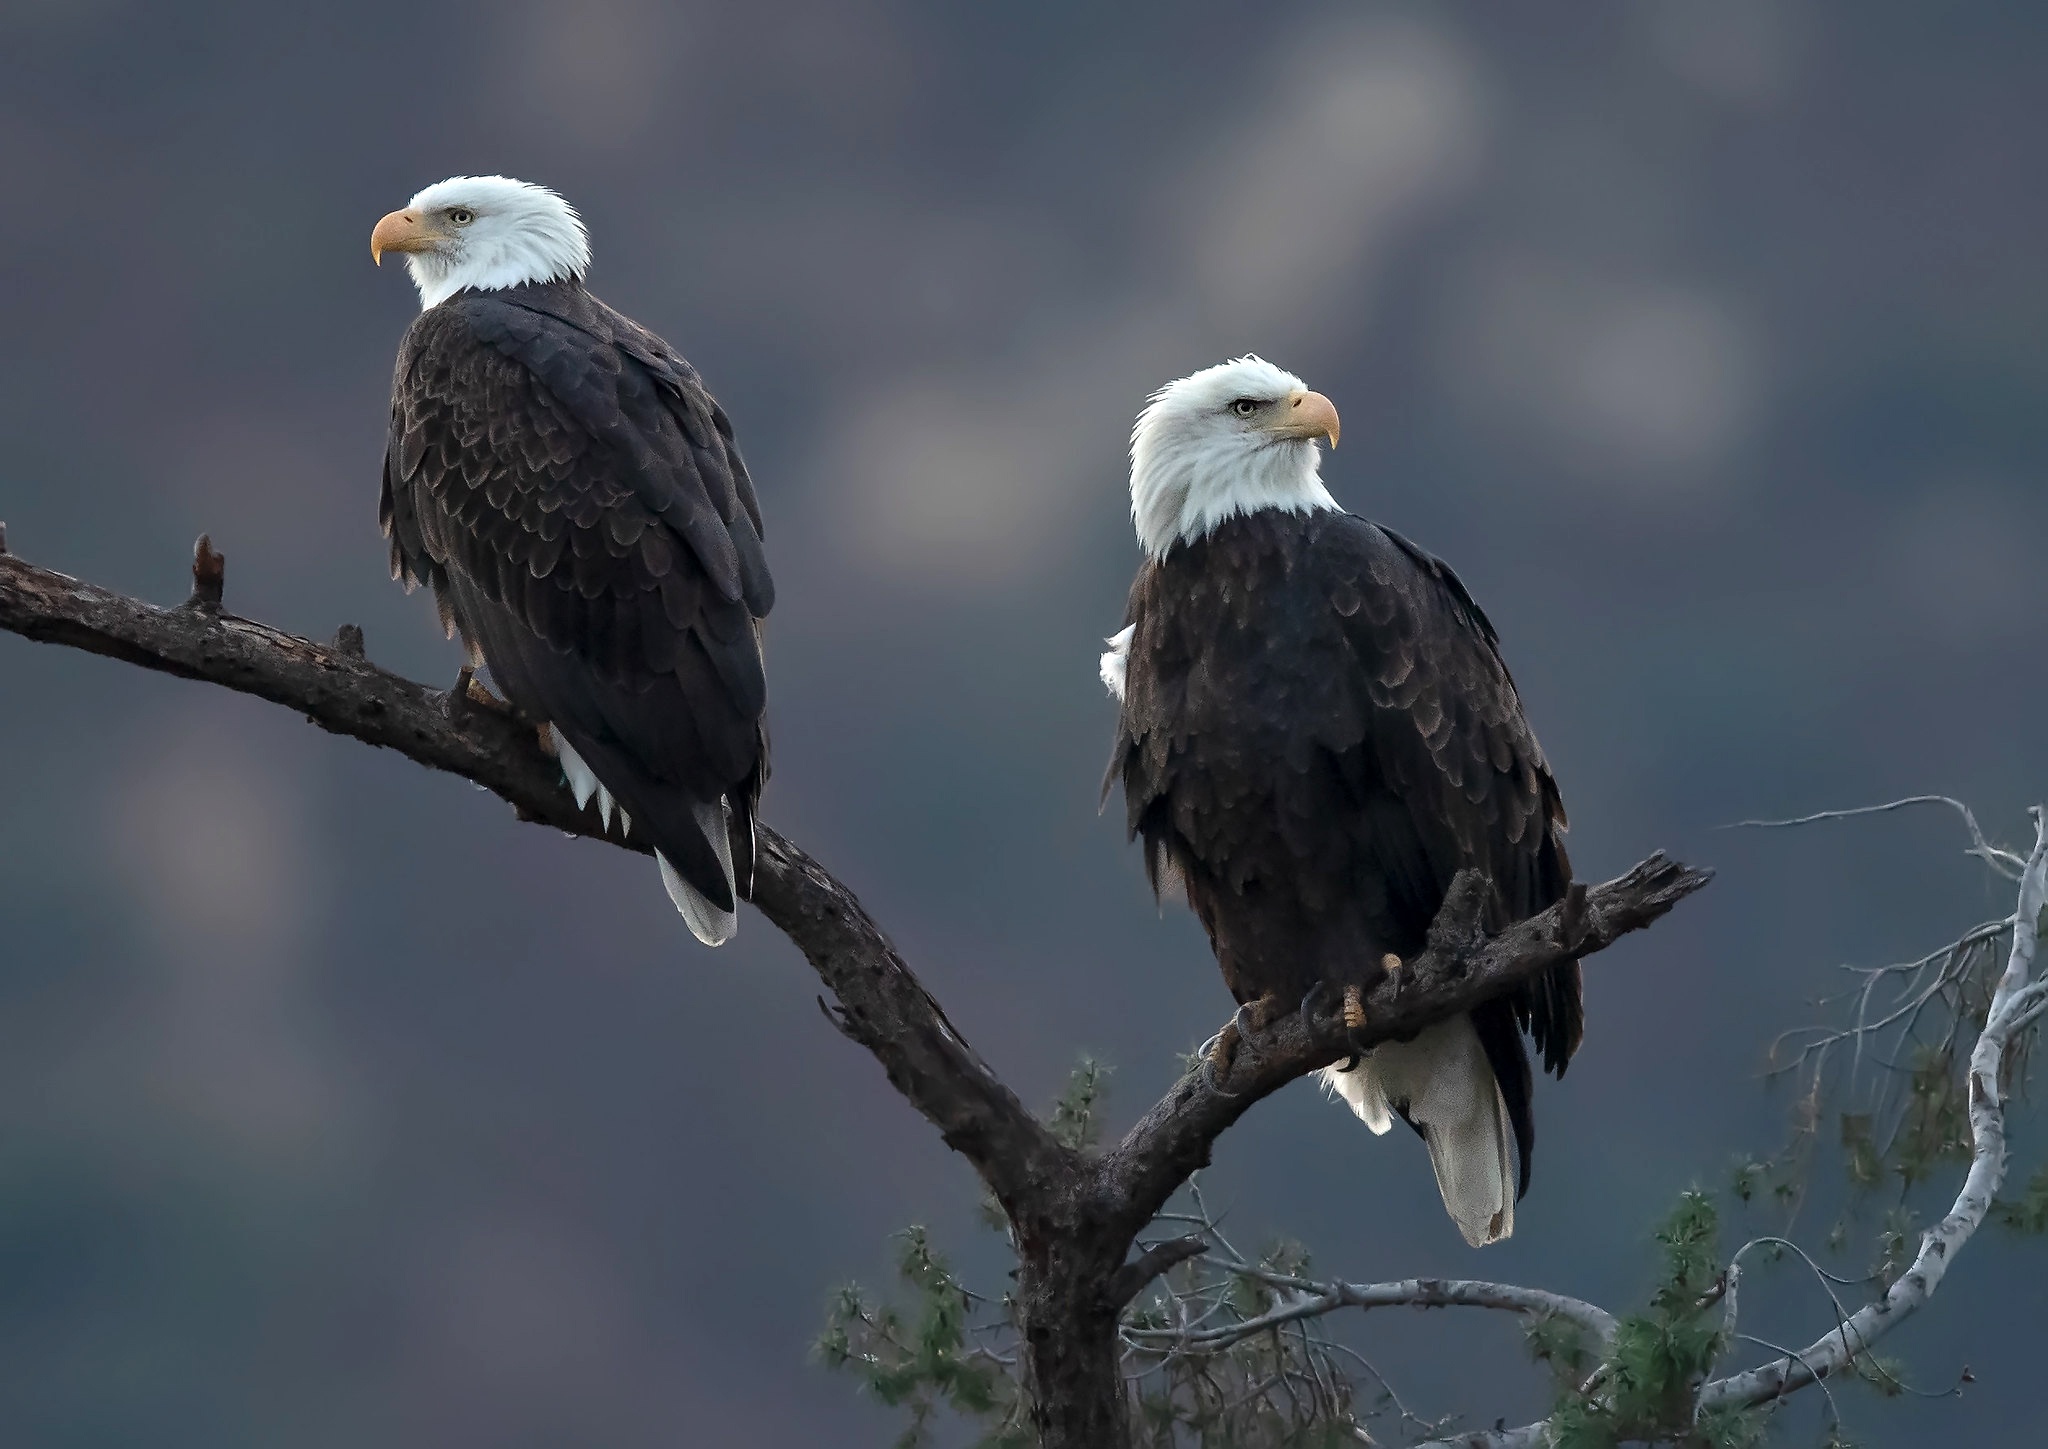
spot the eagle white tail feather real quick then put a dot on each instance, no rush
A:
(706, 921)
(1444, 1082)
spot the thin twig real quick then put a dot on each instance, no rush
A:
(2003, 861)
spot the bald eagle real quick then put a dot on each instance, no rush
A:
(563, 480)
(1317, 733)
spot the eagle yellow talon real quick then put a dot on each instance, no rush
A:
(1390, 963)
(480, 693)
(1354, 1008)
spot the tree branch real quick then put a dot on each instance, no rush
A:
(2004, 862)
(881, 1004)
(1160, 1258)
(1461, 968)
(1075, 1216)
(2011, 1008)
(1313, 1299)
(2015, 1003)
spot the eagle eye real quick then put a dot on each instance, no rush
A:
(1244, 407)
(462, 216)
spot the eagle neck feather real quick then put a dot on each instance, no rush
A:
(1182, 490)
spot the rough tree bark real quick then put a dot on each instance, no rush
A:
(1075, 1216)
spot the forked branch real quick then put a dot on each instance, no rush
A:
(1077, 1215)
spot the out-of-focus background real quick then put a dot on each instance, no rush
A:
(337, 1108)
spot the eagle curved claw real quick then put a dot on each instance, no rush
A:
(1217, 1055)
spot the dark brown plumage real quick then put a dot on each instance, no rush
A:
(1317, 733)
(562, 479)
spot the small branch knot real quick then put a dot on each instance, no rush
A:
(348, 641)
(209, 573)
(459, 704)
(1457, 931)
(841, 1019)
(468, 697)
(1571, 916)
(3, 537)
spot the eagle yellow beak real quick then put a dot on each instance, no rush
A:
(401, 231)
(1306, 415)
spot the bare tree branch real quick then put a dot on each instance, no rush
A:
(1461, 968)
(1160, 1258)
(2010, 1011)
(2018, 999)
(1313, 1299)
(2005, 862)
(1074, 1215)
(881, 1004)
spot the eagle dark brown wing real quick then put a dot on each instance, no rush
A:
(562, 479)
(1451, 738)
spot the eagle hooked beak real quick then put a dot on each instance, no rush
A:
(401, 231)
(1306, 415)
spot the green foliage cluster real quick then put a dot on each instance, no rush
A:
(2026, 1212)
(944, 1347)
(925, 1354)
(940, 1347)
(1650, 1382)
(1074, 1120)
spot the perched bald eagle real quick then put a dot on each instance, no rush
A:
(1317, 734)
(562, 479)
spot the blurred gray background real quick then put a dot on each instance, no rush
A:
(337, 1108)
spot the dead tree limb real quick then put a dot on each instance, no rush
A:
(2018, 1000)
(1075, 1216)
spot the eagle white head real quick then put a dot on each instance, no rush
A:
(1235, 438)
(483, 233)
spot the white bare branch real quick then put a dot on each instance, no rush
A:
(1309, 1298)
(2005, 862)
(2019, 998)
(2016, 1000)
